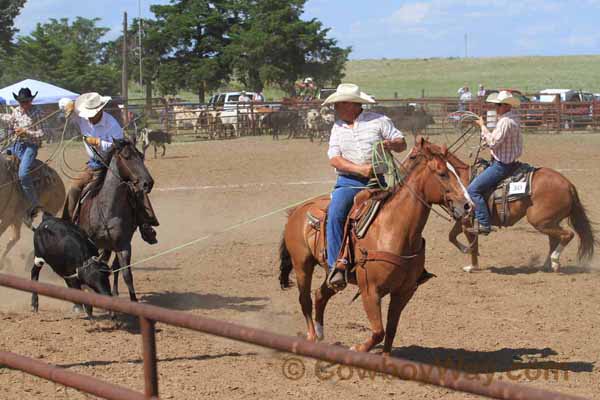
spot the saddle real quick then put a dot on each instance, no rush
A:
(367, 204)
(512, 188)
(89, 191)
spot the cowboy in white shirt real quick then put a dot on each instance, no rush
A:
(350, 145)
(99, 130)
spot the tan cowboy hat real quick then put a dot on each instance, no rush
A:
(504, 97)
(348, 92)
(89, 104)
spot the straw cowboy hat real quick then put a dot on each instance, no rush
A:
(24, 95)
(349, 92)
(504, 97)
(89, 104)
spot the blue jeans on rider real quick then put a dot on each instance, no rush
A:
(342, 199)
(485, 182)
(26, 153)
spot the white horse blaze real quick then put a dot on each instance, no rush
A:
(464, 189)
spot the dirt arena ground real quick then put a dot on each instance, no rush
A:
(511, 320)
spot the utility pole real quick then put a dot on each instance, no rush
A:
(140, 38)
(124, 79)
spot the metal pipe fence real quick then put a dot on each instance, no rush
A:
(428, 115)
(149, 315)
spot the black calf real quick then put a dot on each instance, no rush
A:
(71, 254)
(155, 138)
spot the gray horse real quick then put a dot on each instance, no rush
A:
(13, 206)
(109, 218)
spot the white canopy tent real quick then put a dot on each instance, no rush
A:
(47, 93)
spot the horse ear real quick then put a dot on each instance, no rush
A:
(420, 141)
(444, 150)
(118, 143)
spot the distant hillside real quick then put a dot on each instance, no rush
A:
(443, 76)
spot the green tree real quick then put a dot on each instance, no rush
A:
(71, 55)
(197, 32)
(273, 45)
(9, 9)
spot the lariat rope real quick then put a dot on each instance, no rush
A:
(393, 167)
(59, 147)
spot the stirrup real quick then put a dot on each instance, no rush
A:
(336, 280)
(479, 229)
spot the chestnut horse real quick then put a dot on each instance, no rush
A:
(390, 257)
(553, 199)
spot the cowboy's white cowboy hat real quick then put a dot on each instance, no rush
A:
(349, 92)
(89, 104)
(504, 97)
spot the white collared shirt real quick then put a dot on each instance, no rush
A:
(107, 129)
(355, 143)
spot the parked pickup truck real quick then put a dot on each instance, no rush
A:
(572, 113)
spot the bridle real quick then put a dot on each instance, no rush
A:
(114, 169)
(446, 203)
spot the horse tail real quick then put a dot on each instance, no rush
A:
(285, 268)
(582, 225)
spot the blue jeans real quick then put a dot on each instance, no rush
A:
(342, 199)
(27, 153)
(485, 182)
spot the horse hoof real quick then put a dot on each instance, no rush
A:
(470, 268)
(77, 309)
(555, 267)
(34, 309)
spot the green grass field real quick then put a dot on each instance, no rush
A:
(443, 76)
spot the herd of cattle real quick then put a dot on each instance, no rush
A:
(244, 121)
(312, 122)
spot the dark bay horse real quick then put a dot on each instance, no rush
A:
(13, 205)
(553, 199)
(395, 248)
(109, 218)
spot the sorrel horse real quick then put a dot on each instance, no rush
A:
(553, 199)
(109, 218)
(390, 257)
